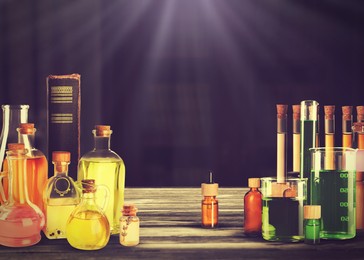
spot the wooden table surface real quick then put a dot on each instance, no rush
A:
(170, 229)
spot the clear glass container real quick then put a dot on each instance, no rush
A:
(13, 115)
(282, 217)
(88, 227)
(61, 196)
(129, 226)
(333, 187)
(107, 169)
(37, 165)
(21, 221)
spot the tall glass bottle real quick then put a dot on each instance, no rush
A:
(13, 115)
(37, 165)
(309, 132)
(88, 228)
(61, 196)
(253, 209)
(20, 220)
(108, 169)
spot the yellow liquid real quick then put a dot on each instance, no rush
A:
(57, 216)
(88, 230)
(107, 172)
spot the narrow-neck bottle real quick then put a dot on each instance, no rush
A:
(37, 165)
(129, 226)
(209, 204)
(253, 209)
(107, 169)
(88, 228)
(61, 196)
(21, 221)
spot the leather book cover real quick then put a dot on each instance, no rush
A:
(63, 115)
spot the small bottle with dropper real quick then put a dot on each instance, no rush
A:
(209, 204)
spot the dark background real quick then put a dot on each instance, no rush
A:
(187, 85)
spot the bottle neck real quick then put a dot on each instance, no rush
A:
(27, 140)
(102, 142)
(253, 189)
(18, 191)
(60, 168)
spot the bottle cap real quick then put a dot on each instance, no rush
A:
(61, 156)
(312, 212)
(254, 182)
(26, 128)
(15, 146)
(103, 130)
(210, 188)
(88, 185)
(129, 210)
(360, 113)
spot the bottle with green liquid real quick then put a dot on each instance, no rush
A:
(107, 169)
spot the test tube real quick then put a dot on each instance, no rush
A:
(296, 138)
(281, 143)
(309, 133)
(358, 142)
(329, 136)
(347, 122)
(360, 113)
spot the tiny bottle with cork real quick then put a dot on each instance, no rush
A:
(253, 209)
(312, 216)
(209, 204)
(129, 226)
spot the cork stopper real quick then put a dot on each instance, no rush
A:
(312, 212)
(61, 156)
(26, 128)
(88, 186)
(103, 130)
(254, 183)
(296, 112)
(329, 112)
(347, 112)
(210, 188)
(360, 113)
(358, 127)
(15, 146)
(129, 210)
(281, 111)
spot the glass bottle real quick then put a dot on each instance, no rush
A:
(209, 204)
(37, 165)
(61, 196)
(296, 137)
(129, 226)
(108, 169)
(347, 122)
(88, 227)
(253, 209)
(13, 115)
(20, 220)
(312, 215)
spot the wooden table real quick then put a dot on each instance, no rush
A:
(170, 229)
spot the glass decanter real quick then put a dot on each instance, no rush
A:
(107, 169)
(61, 196)
(20, 220)
(88, 227)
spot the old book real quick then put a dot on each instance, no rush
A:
(63, 114)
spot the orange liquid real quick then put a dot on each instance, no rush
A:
(253, 213)
(210, 212)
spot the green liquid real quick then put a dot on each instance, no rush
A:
(308, 140)
(335, 192)
(312, 231)
(282, 219)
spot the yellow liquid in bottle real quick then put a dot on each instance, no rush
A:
(88, 230)
(107, 172)
(57, 216)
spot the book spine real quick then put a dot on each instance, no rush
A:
(63, 114)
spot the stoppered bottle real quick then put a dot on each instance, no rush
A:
(347, 122)
(253, 209)
(209, 204)
(129, 226)
(61, 196)
(88, 227)
(107, 169)
(312, 223)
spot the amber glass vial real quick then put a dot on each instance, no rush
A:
(209, 205)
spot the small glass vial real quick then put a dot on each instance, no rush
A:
(209, 205)
(129, 226)
(253, 209)
(312, 216)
